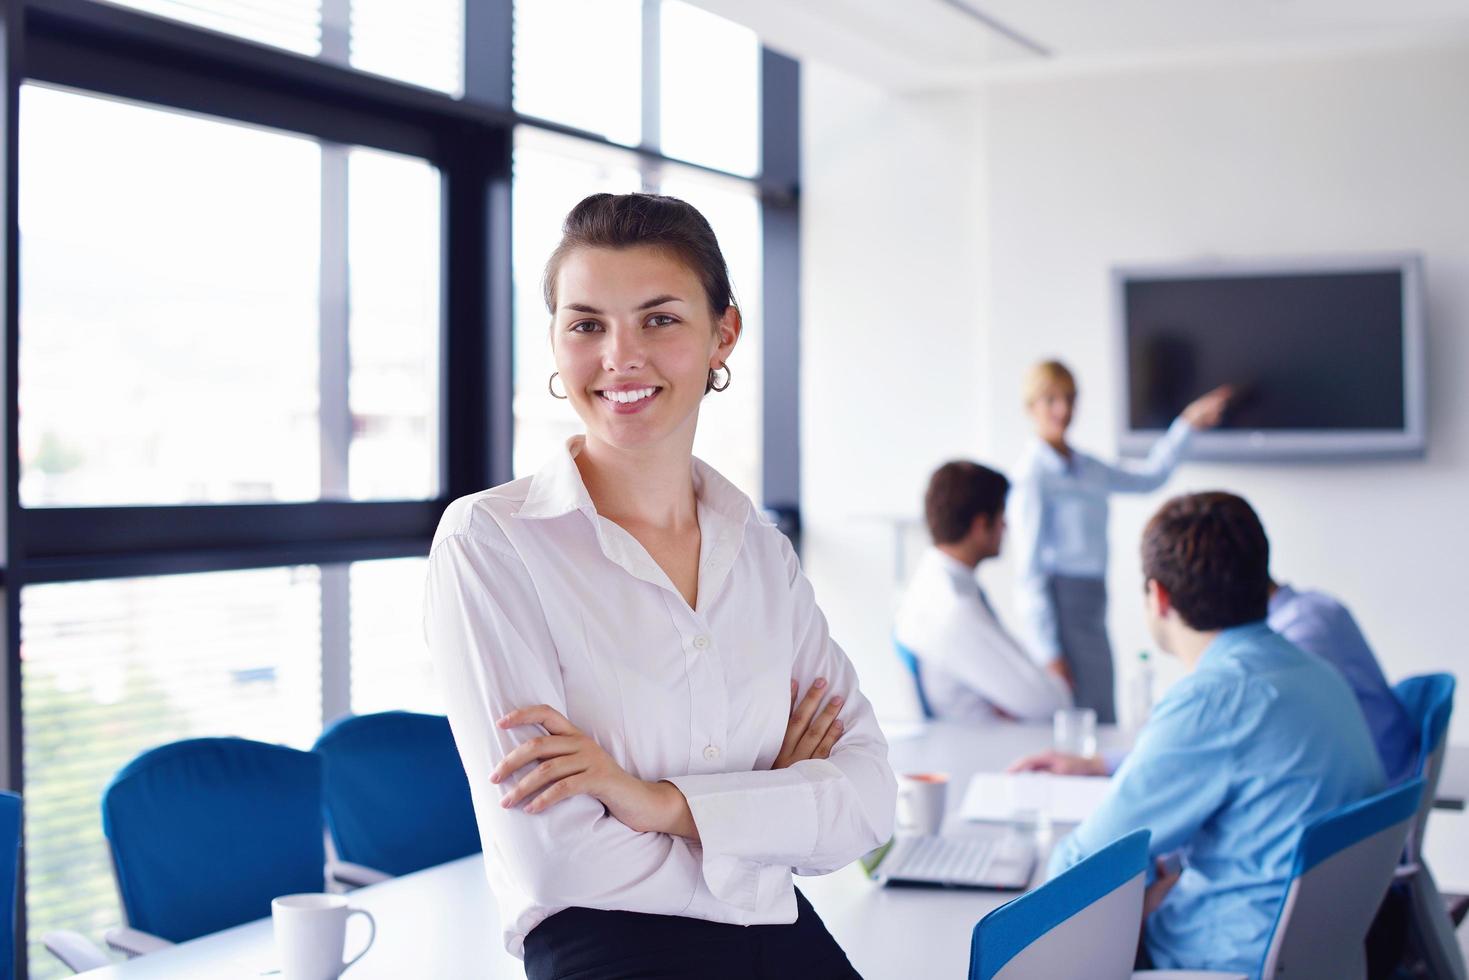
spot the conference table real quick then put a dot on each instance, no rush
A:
(442, 922)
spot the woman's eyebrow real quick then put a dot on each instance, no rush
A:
(646, 305)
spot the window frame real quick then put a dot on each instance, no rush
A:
(119, 52)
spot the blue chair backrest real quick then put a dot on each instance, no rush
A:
(9, 859)
(1083, 922)
(396, 795)
(910, 660)
(1429, 701)
(1344, 863)
(205, 832)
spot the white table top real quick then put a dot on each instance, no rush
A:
(443, 923)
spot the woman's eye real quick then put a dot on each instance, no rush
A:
(661, 320)
(585, 326)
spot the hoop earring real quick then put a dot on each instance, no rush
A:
(728, 376)
(551, 389)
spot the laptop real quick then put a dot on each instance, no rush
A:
(1001, 862)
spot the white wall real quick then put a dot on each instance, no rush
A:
(1067, 176)
(891, 358)
(1357, 152)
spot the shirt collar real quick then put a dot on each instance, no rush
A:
(1282, 596)
(1048, 457)
(950, 564)
(557, 489)
(1232, 639)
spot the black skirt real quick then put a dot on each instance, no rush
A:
(595, 944)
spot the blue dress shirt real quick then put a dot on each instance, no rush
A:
(1257, 741)
(1058, 521)
(1319, 624)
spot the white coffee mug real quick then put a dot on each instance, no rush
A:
(310, 933)
(921, 802)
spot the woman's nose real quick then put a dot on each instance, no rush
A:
(624, 350)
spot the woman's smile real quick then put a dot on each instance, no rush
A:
(628, 399)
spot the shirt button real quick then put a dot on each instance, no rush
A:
(701, 642)
(711, 752)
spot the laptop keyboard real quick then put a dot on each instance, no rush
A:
(1000, 861)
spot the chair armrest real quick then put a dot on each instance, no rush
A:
(76, 951)
(355, 875)
(1186, 975)
(135, 942)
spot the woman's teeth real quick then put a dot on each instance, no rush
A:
(628, 397)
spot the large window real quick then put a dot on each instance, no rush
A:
(579, 62)
(277, 302)
(188, 281)
(112, 668)
(418, 42)
(700, 103)
(709, 89)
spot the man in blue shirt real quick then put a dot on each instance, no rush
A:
(1256, 741)
(1319, 624)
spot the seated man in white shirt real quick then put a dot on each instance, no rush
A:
(969, 665)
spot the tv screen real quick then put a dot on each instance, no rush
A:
(1325, 357)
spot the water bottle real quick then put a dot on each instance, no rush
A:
(1140, 692)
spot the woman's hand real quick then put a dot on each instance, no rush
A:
(1207, 410)
(810, 734)
(572, 763)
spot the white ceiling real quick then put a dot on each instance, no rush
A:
(933, 44)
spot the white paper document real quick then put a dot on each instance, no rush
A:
(1002, 796)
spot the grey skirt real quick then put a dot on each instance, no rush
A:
(1081, 621)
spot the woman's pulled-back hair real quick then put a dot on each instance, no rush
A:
(628, 220)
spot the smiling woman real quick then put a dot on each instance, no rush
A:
(624, 644)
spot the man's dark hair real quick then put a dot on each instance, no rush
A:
(958, 492)
(1211, 554)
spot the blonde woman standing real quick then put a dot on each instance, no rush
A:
(1059, 529)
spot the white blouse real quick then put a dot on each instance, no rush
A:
(533, 598)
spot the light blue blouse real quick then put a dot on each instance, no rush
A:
(1260, 739)
(1058, 521)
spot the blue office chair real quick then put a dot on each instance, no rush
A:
(1082, 923)
(910, 660)
(9, 861)
(397, 799)
(1344, 864)
(205, 832)
(1429, 700)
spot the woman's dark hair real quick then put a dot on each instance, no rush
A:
(628, 220)
(1211, 554)
(958, 492)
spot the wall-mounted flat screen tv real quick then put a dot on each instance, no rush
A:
(1326, 354)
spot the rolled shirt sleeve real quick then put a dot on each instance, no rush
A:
(1173, 781)
(815, 816)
